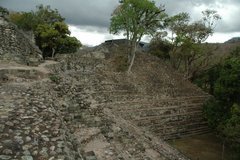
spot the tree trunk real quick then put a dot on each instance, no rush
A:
(129, 49)
(188, 69)
(223, 150)
(53, 52)
(133, 52)
(173, 58)
(178, 63)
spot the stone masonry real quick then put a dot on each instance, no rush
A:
(16, 46)
(157, 100)
(83, 109)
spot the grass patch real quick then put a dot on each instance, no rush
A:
(55, 78)
(203, 147)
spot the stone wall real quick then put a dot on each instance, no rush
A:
(16, 46)
(153, 97)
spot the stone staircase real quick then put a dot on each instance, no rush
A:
(159, 110)
(166, 117)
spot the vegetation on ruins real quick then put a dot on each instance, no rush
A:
(186, 52)
(160, 47)
(55, 78)
(223, 111)
(55, 37)
(51, 32)
(184, 49)
(136, 18)
(3, 11)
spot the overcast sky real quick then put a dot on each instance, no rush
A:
(89, 19)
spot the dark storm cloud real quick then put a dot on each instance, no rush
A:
(228, 9)
(76, 12)
(96, 13)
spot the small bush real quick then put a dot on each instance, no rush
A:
(55, 78)
(160, 49)
(121, 63)
(215, 112)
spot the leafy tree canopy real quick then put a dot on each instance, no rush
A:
(223, 112)
(187, 55)
(227, 86)
(30, 20)
(51, 32)
(3, 11)
(136, 18)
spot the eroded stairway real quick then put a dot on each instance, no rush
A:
(123, 117)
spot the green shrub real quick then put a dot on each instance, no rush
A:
(215, 112)
(55, 78)
(160, 49)
(121, 63)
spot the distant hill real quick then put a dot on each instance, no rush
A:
(233, 40)
(222, 50)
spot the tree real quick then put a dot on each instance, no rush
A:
(236, 52)
(68, 45)
(55, 38)
(231, 128)
(31, 20)
(3, 12)
(207, 78)
(136, 18)
(227, 86)
(176, 25)
(26, 21)
(223, 112)
(159, 46)
(210, 17)
(47, 38)
(187, 51)
(45, 14)
(51, 32)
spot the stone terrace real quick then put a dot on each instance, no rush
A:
(87, 111)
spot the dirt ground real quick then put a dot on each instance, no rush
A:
(203, 147)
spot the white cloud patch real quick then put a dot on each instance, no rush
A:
(90, 36)
(89, 19)
(222, 37)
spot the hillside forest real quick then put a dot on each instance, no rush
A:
(176, 39)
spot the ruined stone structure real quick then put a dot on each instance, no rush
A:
(143, 46)
(16, 46)
(87, 110)
(157, 100)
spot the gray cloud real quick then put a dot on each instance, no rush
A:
(228, 9)
(97, 13)
(76, 12)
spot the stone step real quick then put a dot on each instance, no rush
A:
(81, 63)
(167, 120)
(148, 96)
(149, 118)
(101, 94)
(144, 107)
(177, 128)
(149, 107)
(184, 134)
(170, 122)
(160, 112)
(144, 99)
